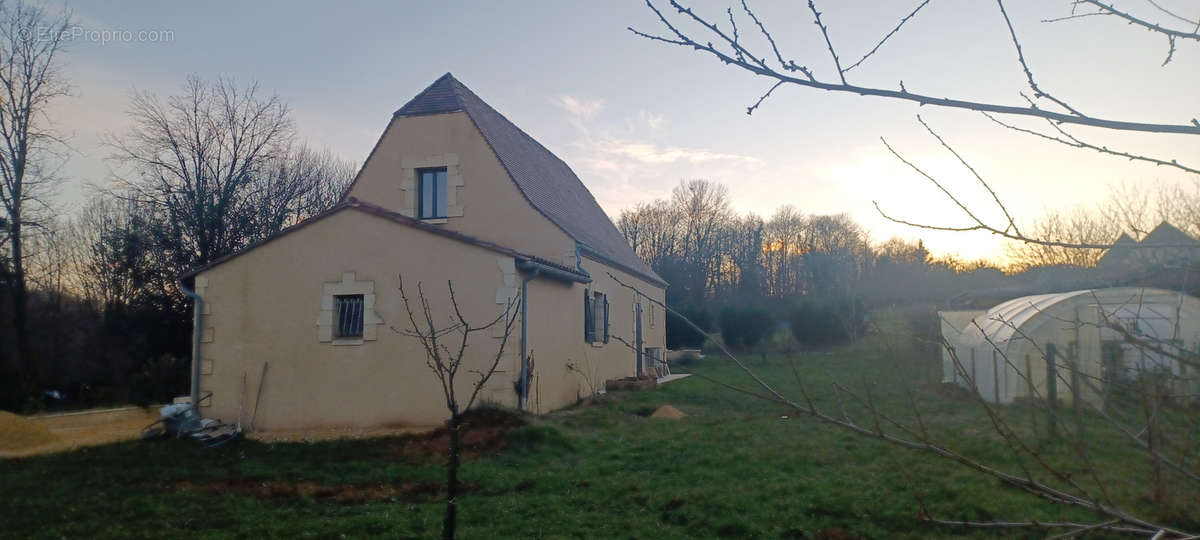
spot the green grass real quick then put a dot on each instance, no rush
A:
(734, 468)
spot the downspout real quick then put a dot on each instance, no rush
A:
(524, 397)
(196, 325)
(579, 261)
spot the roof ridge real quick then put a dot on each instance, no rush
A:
(531, 138)
(429, 101)
(524, 171)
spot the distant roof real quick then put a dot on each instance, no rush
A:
(354, 204)
(1167, 234)
(1119, 250)
(546, 181)
(1164, 235)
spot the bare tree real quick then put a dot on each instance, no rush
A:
(31, 43)
(703, 211)
(652, 231)
(1077, 226)
(221, 162)
(446, 345)
(112, 250)
(198, 157)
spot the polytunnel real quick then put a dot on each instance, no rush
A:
(1092, 338)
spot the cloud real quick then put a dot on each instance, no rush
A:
(580, 108)
(651, 120)
(648, 152)
(628, 159)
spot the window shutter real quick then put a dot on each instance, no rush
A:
(589, 332)
(606, 318)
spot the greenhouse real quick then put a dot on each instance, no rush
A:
(1095, 338)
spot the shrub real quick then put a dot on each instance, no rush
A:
(682, 336)
(826, 322)
(744, 328)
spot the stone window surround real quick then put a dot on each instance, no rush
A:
(408, 183)
(207, 335)
(348, 285)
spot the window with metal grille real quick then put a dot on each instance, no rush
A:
(348, 308)
(431, 193)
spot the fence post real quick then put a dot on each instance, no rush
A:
(995, 376)
(1030, 392)
(1051, 390)
(1077, 395)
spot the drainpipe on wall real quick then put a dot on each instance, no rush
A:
(524, 397)
(579, 261)
(196, 325)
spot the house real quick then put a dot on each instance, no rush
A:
(312, 318)
(1167, 258)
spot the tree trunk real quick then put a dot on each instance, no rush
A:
(448, 521)
(20, 298)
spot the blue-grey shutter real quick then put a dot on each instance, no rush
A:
(589, 331)
(606, 318)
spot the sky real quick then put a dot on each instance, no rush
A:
(633, 118)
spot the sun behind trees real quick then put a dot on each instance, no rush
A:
(786, 270)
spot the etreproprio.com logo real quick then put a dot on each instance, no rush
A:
(101, 36)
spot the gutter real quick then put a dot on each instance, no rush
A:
(534, 269)
(523, 397)
(196, 329)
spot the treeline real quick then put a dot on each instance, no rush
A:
(1130, 209)
(814, 275)
(197, 175)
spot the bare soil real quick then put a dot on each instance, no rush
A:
(341, 493)
(483, 431)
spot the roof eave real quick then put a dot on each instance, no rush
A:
(653, 279)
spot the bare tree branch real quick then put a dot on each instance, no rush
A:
(741, 57)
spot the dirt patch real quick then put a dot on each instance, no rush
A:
(630, 384)
(341, 494)
(668, 412)
(483, 431)
(834, 533)
(334, 434)
(71, 430)
(20, 433)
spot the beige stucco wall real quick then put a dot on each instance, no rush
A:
(557, 338)
(265, 305)
(490, 205)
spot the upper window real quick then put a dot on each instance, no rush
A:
(348, 308)
(431, 193)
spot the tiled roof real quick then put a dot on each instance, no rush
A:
(546, 181)
(401, 219)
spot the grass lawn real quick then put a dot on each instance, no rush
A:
(734, 468)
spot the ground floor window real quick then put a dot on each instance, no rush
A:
(349, 308)
(595, 316)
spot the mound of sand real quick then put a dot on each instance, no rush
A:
(19, 433)
(668, 412)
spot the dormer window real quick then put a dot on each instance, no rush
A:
(431, 193)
